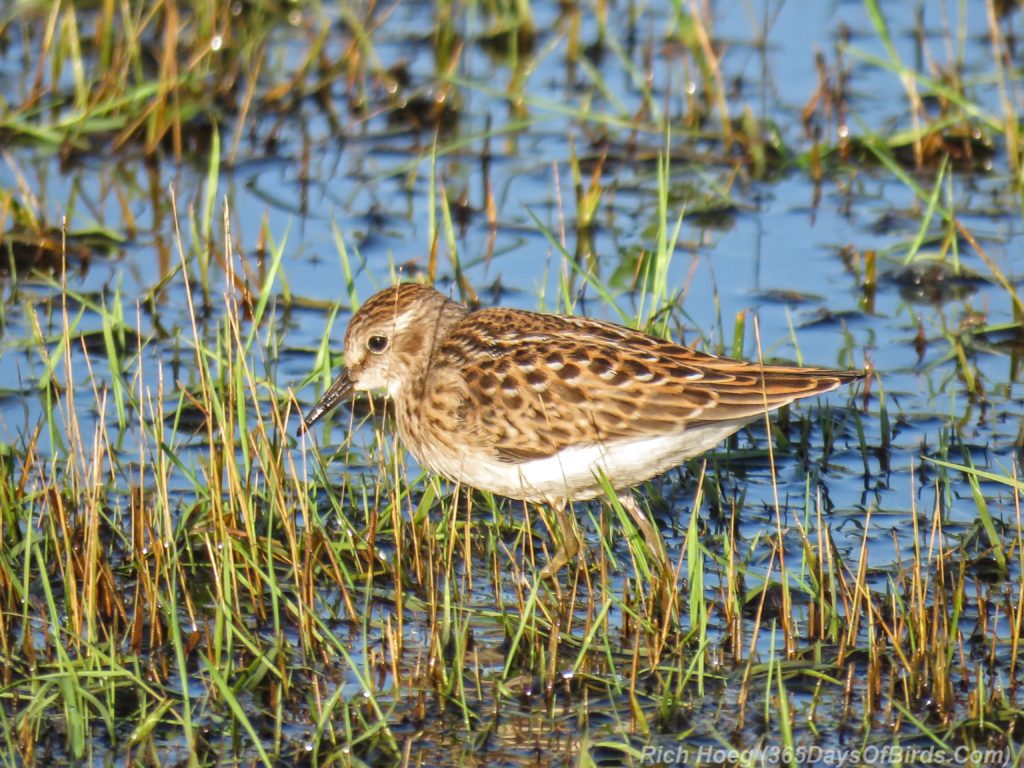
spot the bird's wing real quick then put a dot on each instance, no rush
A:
(530, 385)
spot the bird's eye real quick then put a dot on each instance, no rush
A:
(377, 344)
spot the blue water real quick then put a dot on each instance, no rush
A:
(781, 253)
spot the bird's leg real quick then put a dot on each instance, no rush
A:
(664, 595)
(570, 541)
(654, 541)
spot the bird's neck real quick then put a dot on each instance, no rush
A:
(409, 401)
(437, 325)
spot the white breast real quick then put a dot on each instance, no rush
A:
(573, 473)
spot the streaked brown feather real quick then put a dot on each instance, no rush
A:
(499, 387)
(580, 381)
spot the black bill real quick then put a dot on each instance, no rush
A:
(340, 389)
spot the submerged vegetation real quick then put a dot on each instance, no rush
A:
(193, 201)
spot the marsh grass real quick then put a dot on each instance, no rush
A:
(183, 579)
(140, 607)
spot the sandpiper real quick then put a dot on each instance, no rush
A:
(540, 407)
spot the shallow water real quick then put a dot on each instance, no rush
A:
(780, 247)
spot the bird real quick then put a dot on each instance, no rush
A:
(550, 408)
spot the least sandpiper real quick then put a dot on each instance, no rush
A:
(541, 407)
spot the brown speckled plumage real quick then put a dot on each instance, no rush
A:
(536, 406)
